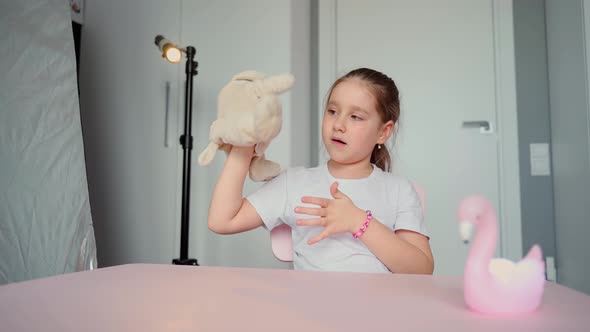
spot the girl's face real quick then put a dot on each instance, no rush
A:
(352, 126)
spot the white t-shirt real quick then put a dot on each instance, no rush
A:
(392, 200)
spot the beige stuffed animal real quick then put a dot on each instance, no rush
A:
(249, 113)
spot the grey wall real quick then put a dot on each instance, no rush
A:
(137, 179)
(300, 65)
(314, 83)
(533, 123)
(570, 122)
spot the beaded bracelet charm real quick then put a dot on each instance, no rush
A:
(365, 225)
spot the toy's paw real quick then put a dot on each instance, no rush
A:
(263, 170)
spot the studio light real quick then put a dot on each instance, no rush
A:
(168, 49)
(173, 54)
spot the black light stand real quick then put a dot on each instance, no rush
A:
(186, 140)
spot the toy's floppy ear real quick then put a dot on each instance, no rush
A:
(278, 84)
(248, 75)
(207, 155)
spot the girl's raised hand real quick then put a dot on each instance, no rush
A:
(338, 215)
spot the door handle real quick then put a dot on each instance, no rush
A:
(485, 127)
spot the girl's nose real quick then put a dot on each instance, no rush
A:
(339, 124)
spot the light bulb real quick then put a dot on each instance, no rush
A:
(173, 54)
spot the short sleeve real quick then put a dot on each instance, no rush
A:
(270, 200)
(409, 214)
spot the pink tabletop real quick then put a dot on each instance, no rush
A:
(140, 297)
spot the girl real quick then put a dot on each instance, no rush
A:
(349, 214)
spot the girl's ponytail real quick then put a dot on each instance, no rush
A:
(381, 158)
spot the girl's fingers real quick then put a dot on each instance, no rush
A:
(318, 238)
(311, 222)
(335, 192)
(320, 212)
(323, 202)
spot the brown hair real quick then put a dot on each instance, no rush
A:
(386, 94)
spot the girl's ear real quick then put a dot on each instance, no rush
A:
(386, 131)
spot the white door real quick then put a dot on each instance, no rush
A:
(449, 70)
(131, 172)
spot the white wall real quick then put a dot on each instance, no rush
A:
(231, 36)
(135, 181)
(131, 173)
(568, 30)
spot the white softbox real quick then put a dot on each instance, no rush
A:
(45, 222)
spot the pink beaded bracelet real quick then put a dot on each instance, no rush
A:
(365, 225)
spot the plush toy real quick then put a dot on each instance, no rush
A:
(249, 113)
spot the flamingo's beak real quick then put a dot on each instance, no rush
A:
(465, 230)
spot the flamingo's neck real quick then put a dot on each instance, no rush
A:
(484, 244)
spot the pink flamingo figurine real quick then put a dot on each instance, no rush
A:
(497, 286)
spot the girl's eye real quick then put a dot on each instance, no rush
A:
(356, 117)
(331, 112)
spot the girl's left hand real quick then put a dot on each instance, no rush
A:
(338, 215)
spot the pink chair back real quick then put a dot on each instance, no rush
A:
(282, 242)
(422, 195)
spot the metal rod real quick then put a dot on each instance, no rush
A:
(186, 140)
